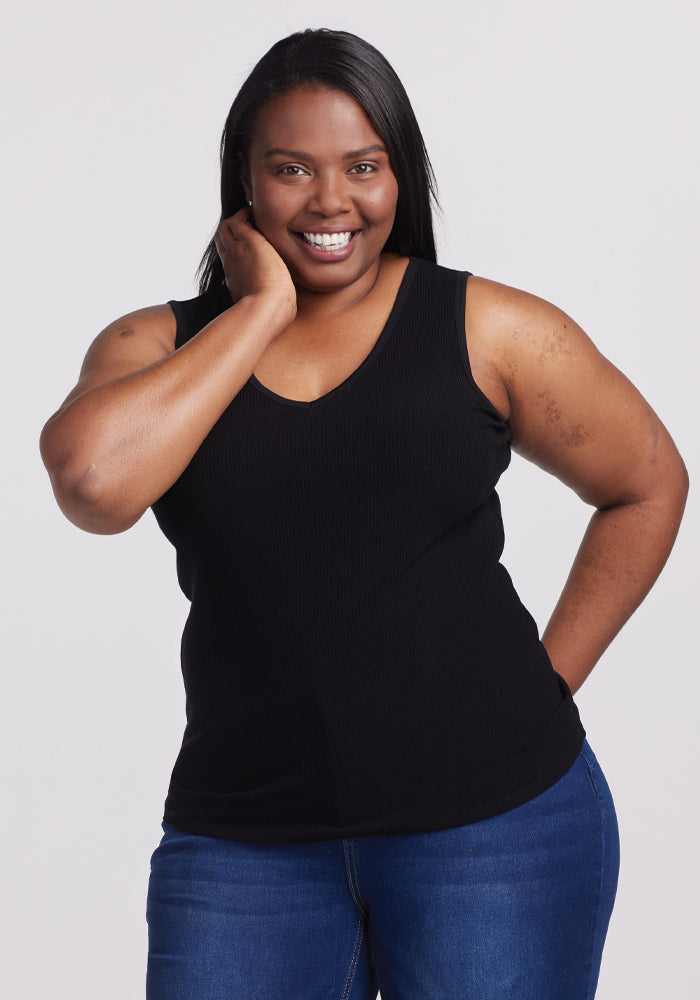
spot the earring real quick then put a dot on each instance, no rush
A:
(250, 204)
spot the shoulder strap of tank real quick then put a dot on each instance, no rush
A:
(193, 314)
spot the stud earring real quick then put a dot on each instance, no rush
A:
(250, 204)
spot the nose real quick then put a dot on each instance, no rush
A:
(330, 195)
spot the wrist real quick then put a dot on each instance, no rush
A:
(278, 309)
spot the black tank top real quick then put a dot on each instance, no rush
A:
(356, 660)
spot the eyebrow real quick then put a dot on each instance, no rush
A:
(355, 154)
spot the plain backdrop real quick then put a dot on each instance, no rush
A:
(564, 138)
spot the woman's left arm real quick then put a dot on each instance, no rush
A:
(575, 415)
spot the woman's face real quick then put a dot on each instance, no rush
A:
(323, 191)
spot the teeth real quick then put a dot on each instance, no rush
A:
(331, 240)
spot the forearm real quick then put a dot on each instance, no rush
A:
(621, 555)
(120, 445)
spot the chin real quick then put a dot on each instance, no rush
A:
(328, 276)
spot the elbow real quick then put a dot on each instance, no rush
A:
(677, 483)
(685, 480)
(89, 504)
(684, 487)
(671, 493)
(85, 494)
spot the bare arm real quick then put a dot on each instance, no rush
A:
(574, 414)
(141, 409)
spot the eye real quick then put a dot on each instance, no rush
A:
(363, 169)
(291, 170)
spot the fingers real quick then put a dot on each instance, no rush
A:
(251, 264)
(236, 229)
(238, 225)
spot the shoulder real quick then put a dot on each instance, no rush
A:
(511, 316)
(144, 336)
(131, 342)
(570, 410)
(151, 328)
(519, 342)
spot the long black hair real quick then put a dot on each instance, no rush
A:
(341, 60)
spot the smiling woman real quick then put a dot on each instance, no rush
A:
(384, 780)
(322, 189)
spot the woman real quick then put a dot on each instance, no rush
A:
(384, 782)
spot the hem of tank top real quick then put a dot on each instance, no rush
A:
(444, 821)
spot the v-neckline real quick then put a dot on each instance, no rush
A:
(386, 330)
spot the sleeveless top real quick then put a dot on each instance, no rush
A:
(356, 660)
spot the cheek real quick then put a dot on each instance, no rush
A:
(273, 207)
(380, 205)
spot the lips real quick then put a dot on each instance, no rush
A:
(326, 240)
(326, 245)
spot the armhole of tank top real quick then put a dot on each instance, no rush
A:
(460, 310)
(192, 315)
(179, 327)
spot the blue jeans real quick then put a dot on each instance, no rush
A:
(516, 906)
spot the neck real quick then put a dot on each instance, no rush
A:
(313, 303)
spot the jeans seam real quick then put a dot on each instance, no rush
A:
(351, 869)
(596, 923)
(589, 768)
(360, 904)
(354, 960)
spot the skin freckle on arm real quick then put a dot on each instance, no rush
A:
(571, 435)
(554, 346)
(577, 435)
(551, 410)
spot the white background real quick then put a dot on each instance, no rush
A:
(564, 137)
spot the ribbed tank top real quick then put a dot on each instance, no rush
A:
(356, 660)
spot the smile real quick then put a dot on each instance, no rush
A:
(328, 241)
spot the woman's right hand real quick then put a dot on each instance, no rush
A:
(251, 264)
